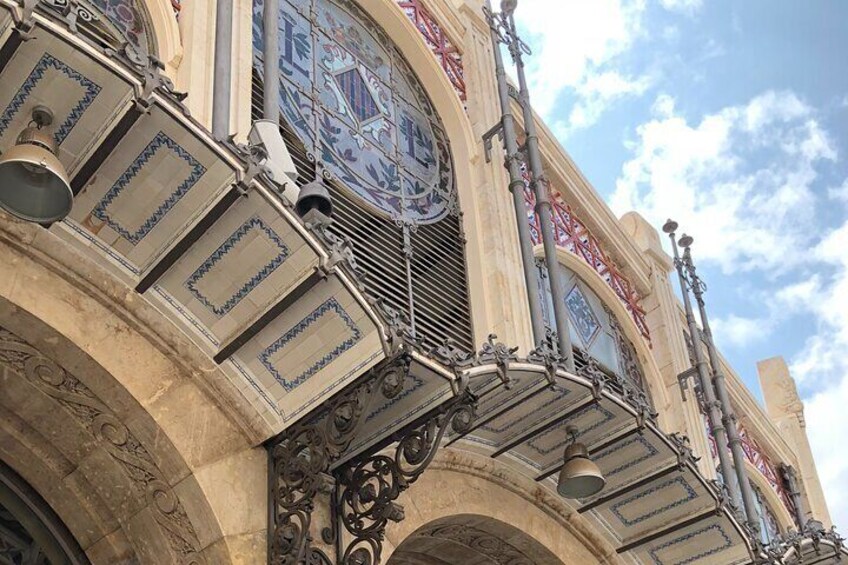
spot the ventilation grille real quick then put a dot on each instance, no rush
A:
(438, 301)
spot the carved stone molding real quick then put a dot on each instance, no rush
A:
(93, 414)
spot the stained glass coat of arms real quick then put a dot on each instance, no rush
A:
(359, 109)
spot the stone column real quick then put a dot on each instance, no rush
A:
(786, 411)
(663, 314)
(494, 216)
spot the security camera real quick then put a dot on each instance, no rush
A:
(281, 169)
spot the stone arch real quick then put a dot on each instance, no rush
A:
(459, 482)
(471, 538)
(166, 32)
(103, 415)
(653, 378)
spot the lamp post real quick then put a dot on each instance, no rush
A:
(728, 418)
(711, 406)
(504, 31)
(516, 180)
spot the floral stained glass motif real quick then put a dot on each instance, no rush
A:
(128, 18)
(582, 315)
(354, 102)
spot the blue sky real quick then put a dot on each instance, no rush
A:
(732, 118)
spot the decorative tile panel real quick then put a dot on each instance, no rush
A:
(253, 236)
(270, 355)
(160, 150)
(657, 493)
(581, 313)
(709, 540)
(515, 420)
(41, 74)
(542, 444)
(640, 440)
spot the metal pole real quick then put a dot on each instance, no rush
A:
(271, 55)
(543, 203)
(223, 69)
(728, 418)
(710, 404)
(516, 186)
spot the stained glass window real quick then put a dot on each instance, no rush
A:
(115, 23)
(359, 109)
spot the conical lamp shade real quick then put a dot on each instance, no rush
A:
(579, 477)
(33, 183)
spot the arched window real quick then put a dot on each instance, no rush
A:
(769, 528)
(595, 331)
(355, 113)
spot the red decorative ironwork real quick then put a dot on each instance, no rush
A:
(755, 455)
(573, 235)
(445, 51)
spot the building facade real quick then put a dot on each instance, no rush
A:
(197, 369)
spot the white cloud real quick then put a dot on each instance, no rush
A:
(741, 180)
(575, 45)
(682, 6)
(596, 94)
(738, 331)
(744, 214)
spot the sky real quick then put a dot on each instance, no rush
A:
(732, 118)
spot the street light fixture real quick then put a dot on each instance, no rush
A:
(34, 185)
(579, 477)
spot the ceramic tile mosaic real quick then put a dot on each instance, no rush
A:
(712, 540)
(248, 260)
(158, 181)
(85, 97)
(312, 349)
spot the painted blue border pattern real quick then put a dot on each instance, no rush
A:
(684, 538)
(46, 62)
(328, 306)
(159, 141)
(650, 452)
(607, 417)
(690, 495)
(533, 412)
(254, 223)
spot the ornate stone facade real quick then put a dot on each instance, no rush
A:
(184, 323)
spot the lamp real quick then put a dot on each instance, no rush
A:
(579, 476)
(34, 185)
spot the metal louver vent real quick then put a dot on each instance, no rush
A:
(426, 280)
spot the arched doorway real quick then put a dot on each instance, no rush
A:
(471, 539)
(30, 532)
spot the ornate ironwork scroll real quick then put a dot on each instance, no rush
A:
(372, 484)
(301, 458)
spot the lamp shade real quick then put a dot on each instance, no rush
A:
(579, 476)
(33, 183)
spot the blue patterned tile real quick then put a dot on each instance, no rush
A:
(47, 62)
(650, 451)
(584, 318)
(606, 416)
(687, 538)
(534, 412)
(690, 495)
(185, 314)
(331, 305)
(251, 225)
(160, 142)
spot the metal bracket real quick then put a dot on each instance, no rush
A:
(499, 353)
(497, 129)
(683, 380)
(371, 485)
